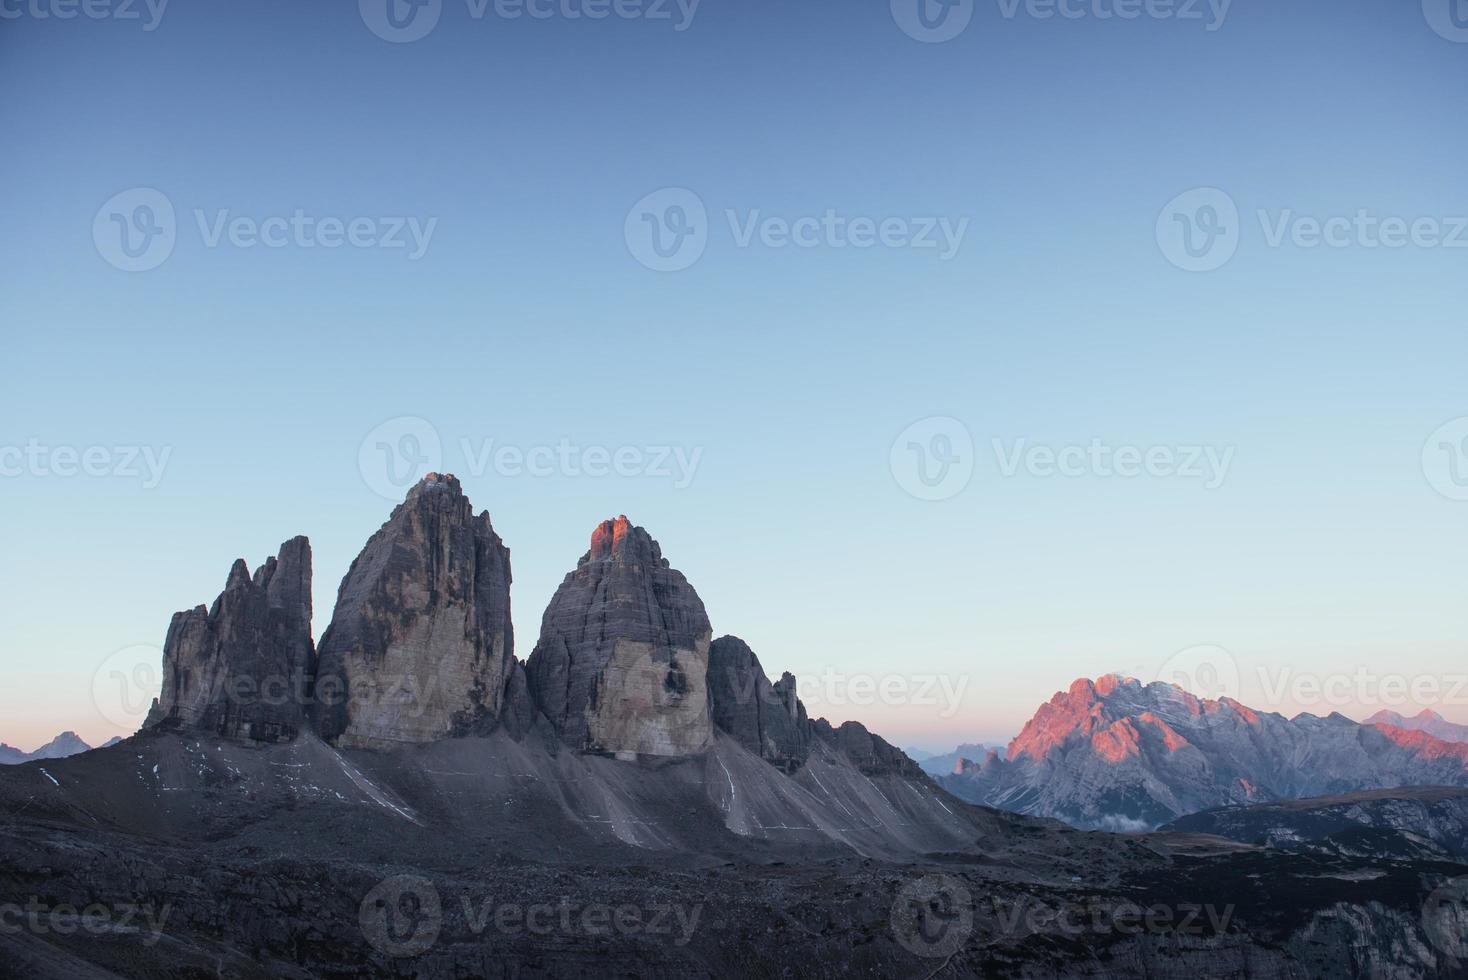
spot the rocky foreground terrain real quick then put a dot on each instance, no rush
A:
(637, 799)
(490, 857)
(1115, 753)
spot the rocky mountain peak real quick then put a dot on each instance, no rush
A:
(435, 483)
(1116, 753)
(768, 719)
(621, 665)
(1426, 720)
(241, 668)
(620, 540)
(420, 645)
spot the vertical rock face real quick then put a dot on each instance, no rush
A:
(241, 668)
(420, 645)
(622, 661)
(768, 719)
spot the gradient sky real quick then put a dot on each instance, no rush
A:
(1326, 550)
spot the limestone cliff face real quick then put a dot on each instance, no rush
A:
(622, 661)
(241, 668)
(420, 645)
(768, 719)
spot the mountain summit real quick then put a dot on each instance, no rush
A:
(1117, 753)
(240, 668)
(420, 645)
(1426, 720)
(622, 661)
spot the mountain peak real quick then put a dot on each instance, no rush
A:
(423, 616)
(1108, 683)
(618, 539)
(621, 665)
(437, 483)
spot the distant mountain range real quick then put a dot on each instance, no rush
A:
(63, 746)
(936, 764)
(1427, 720)
(1119, 754)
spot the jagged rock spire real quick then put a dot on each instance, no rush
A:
(420, 645)
(241, 668)
(622, 661)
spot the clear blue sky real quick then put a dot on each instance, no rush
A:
(529, 321)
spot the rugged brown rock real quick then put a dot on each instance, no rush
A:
(240, 668)
(420, 646)
(622, 661)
